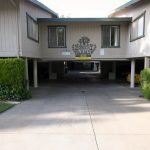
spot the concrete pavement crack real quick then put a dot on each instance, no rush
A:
(84, 97)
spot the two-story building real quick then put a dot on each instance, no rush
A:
(30, 30)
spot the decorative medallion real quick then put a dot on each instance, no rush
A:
(83, 49)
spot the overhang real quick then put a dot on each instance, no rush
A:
(42, 6)
(126, 5)
(85, 20)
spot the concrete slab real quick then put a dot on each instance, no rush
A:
(60, 116)
(46, 142)
(124, 142)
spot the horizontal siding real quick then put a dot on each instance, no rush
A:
(8, 29)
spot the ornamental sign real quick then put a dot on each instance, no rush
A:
(83, 50)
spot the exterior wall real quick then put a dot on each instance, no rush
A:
(140, 47)
(8, 29)
(30, 48)
(74, 31)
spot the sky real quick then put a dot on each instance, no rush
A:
(83, 8)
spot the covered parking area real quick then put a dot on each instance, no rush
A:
(40, 71)
(98, 45)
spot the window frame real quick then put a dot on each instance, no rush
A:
(102, 32)
(136, 19)
(28, 34)
(54, 26)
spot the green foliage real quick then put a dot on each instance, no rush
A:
(12, 79)
(145, 83)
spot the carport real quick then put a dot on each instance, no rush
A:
(108, 70)
(82, 40)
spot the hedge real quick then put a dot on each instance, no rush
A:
(145, 82)
(12, 79)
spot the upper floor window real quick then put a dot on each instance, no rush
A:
(32, 29)
(138, 27)
(110, 36)
(57, 36)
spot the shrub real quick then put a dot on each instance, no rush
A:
(12, 79)
(145, 83)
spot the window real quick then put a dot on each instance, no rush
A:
(110, 36)
(32, 29)
(137, 28)
(57, 36)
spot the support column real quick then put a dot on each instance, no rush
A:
(95, 68)
(132, 78)
(35, 76)
(146, 62)
(50, 70)
(99, 69)
(27, 73)
(114, 69)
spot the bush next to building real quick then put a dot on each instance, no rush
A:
(12, 79)
(145, 83)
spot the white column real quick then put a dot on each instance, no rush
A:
(146, 62)
(35, 76)
(132, 79)
(27, 73)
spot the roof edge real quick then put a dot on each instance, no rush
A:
(44, 7)
(124, 6)
(82, 20)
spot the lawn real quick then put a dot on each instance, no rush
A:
(5, 106)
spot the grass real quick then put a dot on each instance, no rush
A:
(5, 106)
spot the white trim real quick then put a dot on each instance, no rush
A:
(8, 54)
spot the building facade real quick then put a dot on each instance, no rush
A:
(30, 30)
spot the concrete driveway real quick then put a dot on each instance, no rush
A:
(77, 116)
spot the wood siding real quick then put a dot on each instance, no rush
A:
(30, 48)
(140, 47)
(74, 31)
(8, 29)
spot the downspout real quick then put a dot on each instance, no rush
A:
(19, 39)
(18, 27)
(18, 24)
